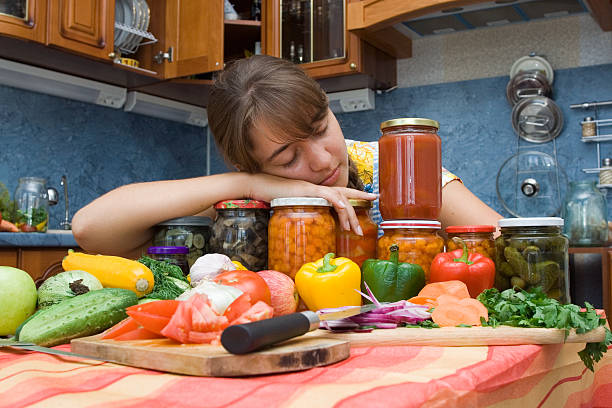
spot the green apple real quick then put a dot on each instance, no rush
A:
(17, 298)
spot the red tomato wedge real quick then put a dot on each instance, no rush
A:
(259, 311)
(149, 321)
(126, 325)
(240, 305)
(159, 307)
(139, 334)
(179, 326)
(204, 319)
(199, 337)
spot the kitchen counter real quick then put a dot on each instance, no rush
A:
(51, 238)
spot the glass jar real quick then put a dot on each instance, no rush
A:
(477, 238)
(586, 214)
(176, 255)
(589, 127)
(301, 230)
(32, 205)
(355, 247)
(240, 231)
(191, 232)
(418, 241)
(533, 252)
(410, 169)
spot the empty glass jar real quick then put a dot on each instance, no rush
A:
(586, 215)
(32, 205)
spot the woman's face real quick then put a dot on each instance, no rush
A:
(320, 159)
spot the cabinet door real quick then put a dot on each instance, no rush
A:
(42, 263)
(24, 19)
(8, 257)
(193, 35)
(82, 26)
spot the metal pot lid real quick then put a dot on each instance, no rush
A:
(527, 84)
(537, 119)
(533, 63)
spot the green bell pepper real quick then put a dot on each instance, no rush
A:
(391, 280)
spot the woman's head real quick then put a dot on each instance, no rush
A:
(268, 116)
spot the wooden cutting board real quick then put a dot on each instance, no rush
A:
(461, 336)
(206, 360)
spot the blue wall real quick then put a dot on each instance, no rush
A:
(97, 148)
(476, 129)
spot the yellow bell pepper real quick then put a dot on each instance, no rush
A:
(239, 266)
(329, 282)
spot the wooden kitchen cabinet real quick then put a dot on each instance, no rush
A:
(29, 23)
(39, 262)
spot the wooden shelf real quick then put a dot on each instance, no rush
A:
(246, 23)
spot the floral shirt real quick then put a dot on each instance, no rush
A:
(365, 157)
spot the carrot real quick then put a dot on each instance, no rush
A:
(453, 287)
(447, 300)
(7, 226)
(423, 300)
(465, 311)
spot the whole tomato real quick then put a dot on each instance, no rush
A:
(248, 282)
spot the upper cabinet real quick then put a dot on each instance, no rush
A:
(24, 19)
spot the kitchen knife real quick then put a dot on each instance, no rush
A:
(248, 337)
(40, 349)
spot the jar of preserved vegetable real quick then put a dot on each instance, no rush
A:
(240, 231)
(192, 232)
(176, 255)
(301, 230)
(477, 238)
(355, 247)
(32, 205)
(418, 241)
(533, 252)
(410, 169)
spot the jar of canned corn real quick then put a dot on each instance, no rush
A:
(477, 238)
(418, 241)
(358, 248)
(301, 230)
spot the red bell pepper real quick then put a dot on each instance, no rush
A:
(473, 269)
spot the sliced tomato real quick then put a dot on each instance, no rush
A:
(204, 319)
(179, 326)
(203, 338)
(138, 334)
(124, 326)
(259, 311)
(151, 322)
(240, 305)
(159, 307)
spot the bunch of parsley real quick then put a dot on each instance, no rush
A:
(535, 309)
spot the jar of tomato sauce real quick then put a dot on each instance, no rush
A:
(301, 230)
(418, 241)
(355, 247)
(410, 169)
(477, 238)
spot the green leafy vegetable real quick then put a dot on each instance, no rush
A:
(534, 309)
(166, 276)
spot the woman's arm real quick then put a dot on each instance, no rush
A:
(461, 207)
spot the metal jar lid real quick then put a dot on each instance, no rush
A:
(293, 201)
(531, 222)
(360, 203)
(606, 162)
(457, 229)
(245, 203)
(188, 221)
(419, 224)
(409, 121)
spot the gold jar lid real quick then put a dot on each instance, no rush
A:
(360, 203)
(409, 121)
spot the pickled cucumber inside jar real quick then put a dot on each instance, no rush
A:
(191, 232)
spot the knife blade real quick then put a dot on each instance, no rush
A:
(248, 337)
(47, 350)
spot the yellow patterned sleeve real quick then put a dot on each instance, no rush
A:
(447, 177)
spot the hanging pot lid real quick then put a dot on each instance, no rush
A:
(537, 119)
(527, 84)
(533, 62)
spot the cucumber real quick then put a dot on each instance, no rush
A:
(83, 315)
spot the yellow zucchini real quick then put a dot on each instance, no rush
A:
(112, 271)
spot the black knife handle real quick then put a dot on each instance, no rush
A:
(247, 337)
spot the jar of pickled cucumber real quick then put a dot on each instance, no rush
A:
(477, 238)
(192, 232)
(301, 230)
(532, 252)
(418, 241)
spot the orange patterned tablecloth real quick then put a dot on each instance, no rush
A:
(400, 376)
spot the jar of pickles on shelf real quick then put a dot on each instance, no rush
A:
(240, 231)
(358, 248)
(477, 238)
(301, 230)
(532, 252)
(418, 241)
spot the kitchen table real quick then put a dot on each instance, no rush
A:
(399, 376)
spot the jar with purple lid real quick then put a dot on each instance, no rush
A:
(176, 255)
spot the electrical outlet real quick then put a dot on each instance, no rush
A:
(352, 101)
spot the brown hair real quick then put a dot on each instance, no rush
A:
(264, 88)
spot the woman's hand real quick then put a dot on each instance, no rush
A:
(266, 187)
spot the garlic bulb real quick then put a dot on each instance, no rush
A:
(209, 266)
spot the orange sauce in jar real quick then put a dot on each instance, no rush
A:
(350, 245)
(301, 230)
(410, 169)
(477, 238)
(418, 242)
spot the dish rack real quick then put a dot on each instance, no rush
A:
(147, 38)
(600, 134)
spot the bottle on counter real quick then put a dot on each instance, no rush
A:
(410, 169)
(355, 247)
(301, 230)
(585, 212)
(32, 205)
